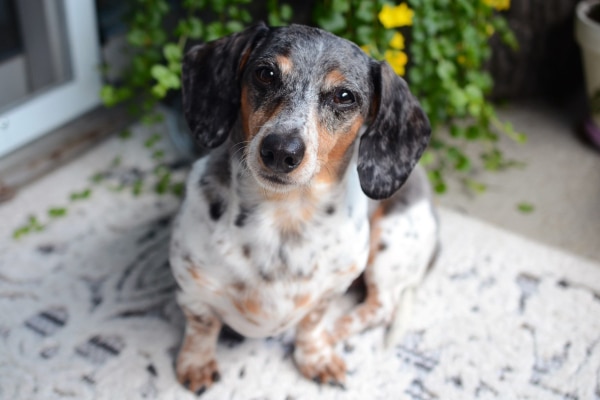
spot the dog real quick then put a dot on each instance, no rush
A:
(308, 186)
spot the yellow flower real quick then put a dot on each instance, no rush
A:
(397, 60)
(394, 17)
(498, 4)
(397, 41)
(489, 29)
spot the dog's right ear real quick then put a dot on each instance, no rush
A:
(210, 82)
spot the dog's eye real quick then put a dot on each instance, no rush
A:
(343, 96)
(265, 74)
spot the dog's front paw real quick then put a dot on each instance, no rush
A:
(197, 377)
(318, 361)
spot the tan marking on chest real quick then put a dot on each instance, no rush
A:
(293, 211)
(247, 302)
(352, 270)
(197, 276)
(302, 300)
(376, 217)
(253, 305)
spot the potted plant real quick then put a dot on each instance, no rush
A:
(587, 32)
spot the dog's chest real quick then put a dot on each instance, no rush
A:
(264, 275)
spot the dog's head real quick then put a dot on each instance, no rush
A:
(303, 97)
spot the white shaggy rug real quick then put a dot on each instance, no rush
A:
(87, 310)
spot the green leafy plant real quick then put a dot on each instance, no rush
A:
(155, 68)
(118, 178)
(441, 47)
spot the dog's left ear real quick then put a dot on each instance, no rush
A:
(210, 83)
(396, 137)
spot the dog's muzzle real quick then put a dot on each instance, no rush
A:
(282, 153)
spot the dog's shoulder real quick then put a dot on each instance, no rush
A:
(208, 185)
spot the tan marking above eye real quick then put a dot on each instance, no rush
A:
(334, 77)
(285, 64)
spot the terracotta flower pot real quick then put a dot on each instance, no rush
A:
(587, 32)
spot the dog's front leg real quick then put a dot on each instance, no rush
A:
(314, 351)
(196, 364)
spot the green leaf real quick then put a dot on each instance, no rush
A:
(245, 16)
(214, 30)
(525, 208)
(446, 70)
(509, 130)
(108, 95)
(333, 23)
(125, 134)
(137, 187)
(151, 118)
(437, 180)
(440, 187)
(474, 132)
(458, 98)
(365, 12)
(158, 155)
(21, 231)
(152, 140)
(178, 189)
(159, 91)
(115, 162)
(286, 12)
(192, 27)
(57, 212)
(474, 93)
(340, 6)
(85, 194)
(97, 177)
(234, 26)
(474, 186)
(163, 183)
(474, 109)
(165, 77)
(427, 159)
(364, 34)
(172, 52)
(457, 131)
(137, 37)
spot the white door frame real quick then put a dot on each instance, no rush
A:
(57, 105)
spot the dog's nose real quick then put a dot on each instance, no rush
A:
(282, 153)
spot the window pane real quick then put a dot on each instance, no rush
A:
(33, 49)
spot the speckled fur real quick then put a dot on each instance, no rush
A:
(263, 250)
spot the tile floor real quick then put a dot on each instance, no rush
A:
(561, 180)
